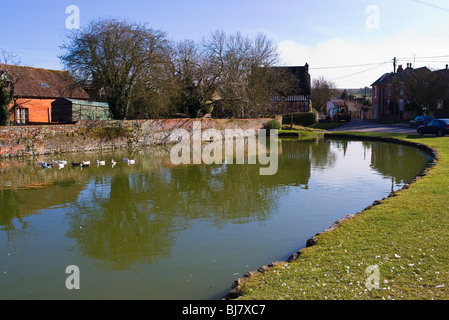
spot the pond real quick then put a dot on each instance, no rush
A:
(155, 230)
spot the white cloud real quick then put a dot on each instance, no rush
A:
(346, 52)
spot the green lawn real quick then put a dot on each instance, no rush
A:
(404, 240)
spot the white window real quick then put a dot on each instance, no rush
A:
(22, 115)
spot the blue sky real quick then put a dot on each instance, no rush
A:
(349, 42)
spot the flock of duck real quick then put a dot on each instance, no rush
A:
(62, 163)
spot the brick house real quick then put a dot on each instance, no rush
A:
(41, 96)
(389, 90)
(442, 108)
(390, 99)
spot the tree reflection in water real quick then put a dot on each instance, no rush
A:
(127, 217)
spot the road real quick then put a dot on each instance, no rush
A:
(368, 126)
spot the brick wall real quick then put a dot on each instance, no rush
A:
(39, 110)
(84, 136)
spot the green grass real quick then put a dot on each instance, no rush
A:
(326, 125)
(316, 127)
(106, 133)
(406, 236)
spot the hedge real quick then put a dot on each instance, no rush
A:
(305, 119)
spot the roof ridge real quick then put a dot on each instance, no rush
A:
(29, 67)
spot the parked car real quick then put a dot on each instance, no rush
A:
(439, 127)
(420, 120)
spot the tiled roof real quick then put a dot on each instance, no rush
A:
(303, 76)
(388, 77)
(43, 83)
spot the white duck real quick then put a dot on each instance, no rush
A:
(101, 163)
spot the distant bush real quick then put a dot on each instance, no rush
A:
(305, 119)
(273, 124)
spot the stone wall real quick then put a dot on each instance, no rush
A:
(101, 135)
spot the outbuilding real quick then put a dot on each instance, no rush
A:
(43, 96)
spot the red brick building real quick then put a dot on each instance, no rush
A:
(390, 99)
(389, 90)
(36, 91)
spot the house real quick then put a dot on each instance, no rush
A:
(332, 104)
(442, 106)
(42, 96)
(297, 97)
(390, 99)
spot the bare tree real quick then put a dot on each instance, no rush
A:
(423, 88)
(118, 56)
(322, 91)
(7, 85)
(194, 76)
(241, 68)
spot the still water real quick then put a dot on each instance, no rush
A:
(154, 230)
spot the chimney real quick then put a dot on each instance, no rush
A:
(307, 67)
(400, 68)
(447, 66)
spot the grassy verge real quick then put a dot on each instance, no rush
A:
(319, 127)
(327, 125)
(403, 242)
(106, 133)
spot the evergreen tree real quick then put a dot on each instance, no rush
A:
(5, 99)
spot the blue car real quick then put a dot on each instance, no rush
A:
(420, 120)
(439, 127)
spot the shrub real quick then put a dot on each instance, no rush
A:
(4, 107)
(273, 124)
(305, 119)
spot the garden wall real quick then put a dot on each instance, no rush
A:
(101, 135)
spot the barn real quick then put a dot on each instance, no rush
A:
(44, 96)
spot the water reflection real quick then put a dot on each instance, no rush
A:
(128, 217)
(393, 161)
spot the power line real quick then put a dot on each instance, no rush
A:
(378, 63)
(432, 57)
(354, 74)
(430, 5)
(348, 66)
(427, 61)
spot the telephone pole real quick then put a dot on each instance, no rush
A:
(394, 64)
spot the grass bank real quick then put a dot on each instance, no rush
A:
(397, 249)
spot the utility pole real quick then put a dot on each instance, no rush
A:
(394, 64)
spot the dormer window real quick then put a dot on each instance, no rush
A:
(44, 85)
(4, 77)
